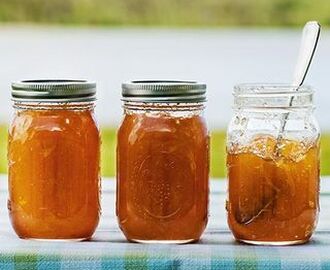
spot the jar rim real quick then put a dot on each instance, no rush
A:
(59, 105)
(271, 89)
(273, 96)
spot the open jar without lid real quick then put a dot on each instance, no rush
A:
(273, 171)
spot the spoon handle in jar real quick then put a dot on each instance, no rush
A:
(310, 38)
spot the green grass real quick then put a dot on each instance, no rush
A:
(217, 152)
(108, 152)
(167, 12)
(325, 154)
(3, 149)
(218, 157)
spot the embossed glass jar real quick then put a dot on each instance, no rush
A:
(163, 162)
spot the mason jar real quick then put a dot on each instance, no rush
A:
(163, 162)
(53, 159)
(273, 165)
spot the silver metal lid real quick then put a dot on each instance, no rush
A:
(164, 91)
(53, 91)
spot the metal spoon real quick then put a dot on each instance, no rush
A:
(310, 38)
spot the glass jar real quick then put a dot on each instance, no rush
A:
(53, 157)
(163, 162)
(273, 165)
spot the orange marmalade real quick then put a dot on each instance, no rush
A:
(54, 182)
(273, 190)
(162, 174)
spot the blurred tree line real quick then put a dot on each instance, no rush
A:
(167, 12)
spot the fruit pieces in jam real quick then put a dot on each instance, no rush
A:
(54, 174)
(162, 177)
(273, 190)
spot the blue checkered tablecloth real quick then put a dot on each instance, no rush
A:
(109, 250)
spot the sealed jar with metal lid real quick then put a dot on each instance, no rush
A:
(273, 165)
(163, 162)
(53, 158)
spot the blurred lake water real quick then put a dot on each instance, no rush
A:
(219, 57)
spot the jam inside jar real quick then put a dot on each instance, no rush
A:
(162, 169)
(53, 155)
(273, 174)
